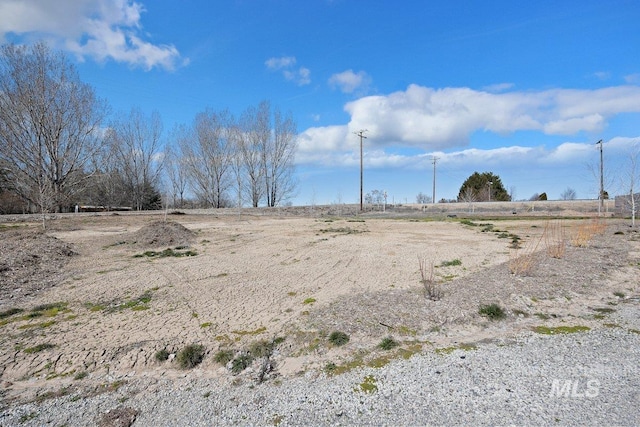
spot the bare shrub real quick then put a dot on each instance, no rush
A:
(585, 232)
(555, 239)
(522, 261)
(427, 278)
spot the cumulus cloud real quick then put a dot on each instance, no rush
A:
(445, 118)
(428, 119)
(287, 65)
(100, 29)
(348, 81)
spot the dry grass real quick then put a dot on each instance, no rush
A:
(523, 260)
(584, 233)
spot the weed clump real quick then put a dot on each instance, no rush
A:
(162, 355)
(388, 343)
(223, 356)
(492, 311)
(338, 338)
(190, 356)
(241, 363)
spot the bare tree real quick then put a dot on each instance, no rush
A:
(423, 198)
(49, 124)
(468, 196)
(136, 145)
(176, 167)
(252, 136)
(568, 194)
(278, 160)
(632, 178)
(208, 156)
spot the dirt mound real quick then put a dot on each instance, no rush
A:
(162, 234)
(30, 262)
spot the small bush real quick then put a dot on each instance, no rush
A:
(388, 343)
(162, 355)
(493, 311)
(427, 277)
(223, 356)
(190, 356)
(452, 263)
(261, 348)
(338, 338)
(309, 301)
(241, 363)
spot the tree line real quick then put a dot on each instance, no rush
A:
(60, 146)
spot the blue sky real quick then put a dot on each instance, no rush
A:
(520, 89)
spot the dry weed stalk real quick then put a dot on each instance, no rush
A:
(555, 239)
(523, 260)
(586, 231)
(427, 276)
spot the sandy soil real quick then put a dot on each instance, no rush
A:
(114, 304)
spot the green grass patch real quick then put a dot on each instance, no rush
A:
(38, 348)
(388, 343)
(309, 301)
(452, 263)
(223, 356)
(604, 310)
(175, 253)
(560, 329)
(10, 312)
(338, 338)
(241, 363)
(254, 332)
(492, 311)
(40, 325)
(190, 356)
(340, 230)
(161, 355)
(368, 385)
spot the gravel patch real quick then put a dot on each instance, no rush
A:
(587, 378)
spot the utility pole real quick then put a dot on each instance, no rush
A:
(434, 159)
(601, 195)
(361, 135)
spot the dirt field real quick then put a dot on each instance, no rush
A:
(95, 298)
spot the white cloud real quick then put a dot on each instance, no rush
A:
(498, 87)
(602, 75)
(100, 29)
(349, 81)
(440, 118)
(286, 64)
(278, 63)
(632, 78)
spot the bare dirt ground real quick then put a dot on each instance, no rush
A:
(92, 300)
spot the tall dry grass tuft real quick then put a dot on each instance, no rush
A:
(523, 260)
(585, 232)
(555, 239)
(427, 277)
